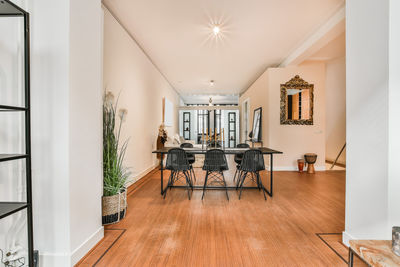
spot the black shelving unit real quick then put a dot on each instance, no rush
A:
(186, 125)
(232, 129)
(8, 9)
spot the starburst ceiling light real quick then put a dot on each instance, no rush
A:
(216, 30)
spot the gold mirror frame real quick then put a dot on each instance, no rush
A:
(297, 83)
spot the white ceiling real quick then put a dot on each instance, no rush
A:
(255, 34)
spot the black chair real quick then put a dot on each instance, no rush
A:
(177, 163)
(215, 164)
(238, 159)
(253, 163)
(191, 158)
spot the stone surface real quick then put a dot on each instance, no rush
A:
(375, 252)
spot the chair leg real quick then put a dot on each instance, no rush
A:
(188, 183)
(194, 175)
(241, 184)
(226, 188)
(188, 176)
(174, 178)
(261, 185)
(253, 178)
(190, 179)
(169, 183)
(234, 177)
(205, 183)
(239, 179)
(258, 181)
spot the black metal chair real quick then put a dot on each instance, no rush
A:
(238, 159)
(177, 163)
(253, 163)
(191, 158)
(215, 164)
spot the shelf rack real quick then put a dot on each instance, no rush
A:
(186, 125)
(8, 9)
(232, 129)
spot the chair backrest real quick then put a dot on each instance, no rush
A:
(243, 145)
(238, 157)
(252, 161)
(215, 160)
(186, 145)
(177, 160)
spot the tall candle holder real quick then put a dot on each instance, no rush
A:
(215, 138)
(223, 138)
(202, 141)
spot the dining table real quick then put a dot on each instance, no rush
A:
(227, 151)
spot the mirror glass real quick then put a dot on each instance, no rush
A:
(297, 102)
(257, 125)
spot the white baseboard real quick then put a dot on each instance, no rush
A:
(139, 176)
(70, 259)
(54, 259)
(346, 237)
(86, 246)
(294, 168)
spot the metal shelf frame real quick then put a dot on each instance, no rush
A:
(9, 9)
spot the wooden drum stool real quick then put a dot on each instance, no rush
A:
(310, 158)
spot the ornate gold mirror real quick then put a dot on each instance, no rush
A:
(297, 102)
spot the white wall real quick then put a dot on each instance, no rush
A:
(66, 128)
(293, 140)
(128, 72)
(258, 96)
(372, 178)
(85, 109)
(335, 109)
(394, 113)
(50, 138)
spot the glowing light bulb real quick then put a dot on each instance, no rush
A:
(216, 30)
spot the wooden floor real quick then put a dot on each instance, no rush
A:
(281, 231)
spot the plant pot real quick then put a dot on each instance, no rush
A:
(114, 208)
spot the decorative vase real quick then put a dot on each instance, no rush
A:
(114, 208)
(300, 164)
(160, 145)
(396, 240)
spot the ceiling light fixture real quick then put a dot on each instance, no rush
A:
(212, 83)
(216, 30)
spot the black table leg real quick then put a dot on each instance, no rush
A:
(351, 257)
(270, 193)
(162, 171)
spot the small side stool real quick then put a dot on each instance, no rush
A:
(310, 158)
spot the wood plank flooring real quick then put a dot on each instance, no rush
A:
(249, 232)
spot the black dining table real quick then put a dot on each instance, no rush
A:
(228, 151)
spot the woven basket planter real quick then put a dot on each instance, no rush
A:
(114, 208)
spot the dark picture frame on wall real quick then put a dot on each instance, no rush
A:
(256, 130)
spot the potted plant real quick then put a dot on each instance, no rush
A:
(115, 174)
